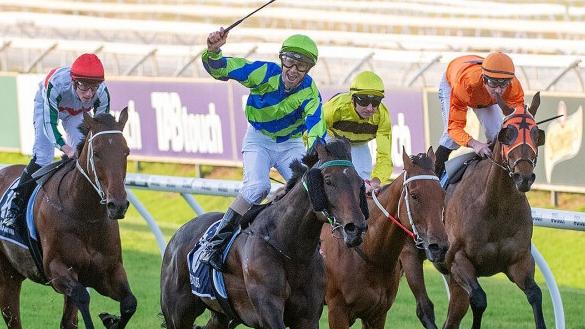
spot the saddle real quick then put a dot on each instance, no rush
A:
(455, 168)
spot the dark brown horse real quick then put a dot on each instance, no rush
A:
(489, 222)
(75, 215)
(362, 283)
(274, 272)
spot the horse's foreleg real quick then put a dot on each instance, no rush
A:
(522, 274)
(458, 305)
(10, 283)
(463, 272)
(69, 318)
(117, 288)
(338, 315)
(412, 264)
(64, 280)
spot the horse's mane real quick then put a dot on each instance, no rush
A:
(337, 149)
(105, 119)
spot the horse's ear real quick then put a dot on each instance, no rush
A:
(534, 104)
(123, 118)
(316, 189)
(406, 159)
(431, 155)
(505, 108)
(364, 202)
(87, 120)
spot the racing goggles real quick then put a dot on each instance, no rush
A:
(365, 100)
(290, 59)
(85, 87)
(495, 83)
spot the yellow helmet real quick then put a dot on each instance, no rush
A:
(367, 83)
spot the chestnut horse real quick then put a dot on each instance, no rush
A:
(274, 273)
(75, 214)
(489, 222)
(362, 283)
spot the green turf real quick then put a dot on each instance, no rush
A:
(507, 306)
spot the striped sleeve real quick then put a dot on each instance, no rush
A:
(314, 118)
(102, 103)
(383, 167)
(51, 99)
(249, 74)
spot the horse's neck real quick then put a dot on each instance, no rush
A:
(293, 225)
(384, 239)
(77, 194)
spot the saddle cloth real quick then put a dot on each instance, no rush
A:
(203, 276)
(17, 235)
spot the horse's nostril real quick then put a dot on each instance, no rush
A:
(434, 247)
(111, 205)
(350, 228)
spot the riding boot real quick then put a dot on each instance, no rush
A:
(21, 194)
(212, 254)
(442, 155)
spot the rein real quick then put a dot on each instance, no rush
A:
(90, 164)
(418, 241)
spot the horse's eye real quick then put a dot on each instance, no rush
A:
(328, 181)
(414, 196)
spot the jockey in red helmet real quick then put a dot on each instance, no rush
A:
(65, 93)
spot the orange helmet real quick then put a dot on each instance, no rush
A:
(498, 65)
(87, 67)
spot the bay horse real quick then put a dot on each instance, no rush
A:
(363, 282)
(274, 273)
(75, 214)
(489, 222)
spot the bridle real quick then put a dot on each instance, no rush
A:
(90, 164)
(335, 224)
(404, 194)
(523, 123)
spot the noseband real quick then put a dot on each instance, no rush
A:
(418, 240)
(332, 163)
(91, 165)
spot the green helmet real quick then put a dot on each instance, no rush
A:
(301, 44)
(367, 83)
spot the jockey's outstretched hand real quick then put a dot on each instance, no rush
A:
(216, 39)
(481, 149)
(69, 151)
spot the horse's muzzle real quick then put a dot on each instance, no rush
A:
(523, 182)
(117, 210)
(353, 234)
(436, 252)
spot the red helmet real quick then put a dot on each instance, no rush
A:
(87, 67)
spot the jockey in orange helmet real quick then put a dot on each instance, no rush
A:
(473, 82)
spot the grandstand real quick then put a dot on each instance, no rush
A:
(407, 42)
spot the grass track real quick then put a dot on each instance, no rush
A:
(507, 307)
